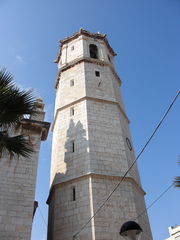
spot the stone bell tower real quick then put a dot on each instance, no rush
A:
(92, 147)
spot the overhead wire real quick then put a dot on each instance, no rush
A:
(160, 196)
(44, 221)
(125, 174)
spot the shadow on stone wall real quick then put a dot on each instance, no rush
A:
(75, 153)
(76, 161)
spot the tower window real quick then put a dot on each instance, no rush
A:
(73, 193)
(72, 146)
(72, 83)
(72, 48)
(93, 50)
(97, 73)
(109, 58)
(72, 111)
(129, 144)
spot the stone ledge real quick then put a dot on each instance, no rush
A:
(90, 99)
(36, 126)
(100, 176)
(88, 34)
(88, 60)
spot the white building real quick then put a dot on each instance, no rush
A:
(92, 146)
(174, 233)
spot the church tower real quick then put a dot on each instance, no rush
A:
(92, 147)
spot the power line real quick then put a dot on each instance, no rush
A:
(151, 136)
(160, 196)
(44, 221)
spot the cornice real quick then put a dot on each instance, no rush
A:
(88, 60)
(95, 175)
(87, 34)
(90, 99)
(36, 126)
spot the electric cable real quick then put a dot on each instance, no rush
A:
(160, 196)
(42, 217)
(151, 136)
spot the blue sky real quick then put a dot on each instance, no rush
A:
(145, 34)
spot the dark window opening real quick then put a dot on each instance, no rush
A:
(72, 146)
(97, 73)
(72, 83)
(129, 144)
(109, 58)
(72, 111)
(72, 48)
(93, 51)
(74, 194)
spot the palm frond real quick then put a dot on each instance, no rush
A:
(14, 103)
(5, 78)
(15, 146)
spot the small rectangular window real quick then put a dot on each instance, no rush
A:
(72, 48)
(73, 193)
(109, 58)
(72, 111)
(72, 83)
(72, 146)
(97, 73)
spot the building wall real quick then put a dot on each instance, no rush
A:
(18, 178)
(66, 164)
(123, 206)
(18, 181)
(174, 233)
(66, 94)
(79, 47)
(99, 87)
(69, 215)
(107, 151)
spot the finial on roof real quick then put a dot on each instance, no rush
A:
(81, 30)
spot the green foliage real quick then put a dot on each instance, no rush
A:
(14, 104)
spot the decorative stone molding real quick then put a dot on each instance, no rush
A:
(87, 34)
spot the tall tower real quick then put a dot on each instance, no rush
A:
(92, 147)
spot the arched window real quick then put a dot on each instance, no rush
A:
(93, 51)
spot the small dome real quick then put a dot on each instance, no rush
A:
(128, 226)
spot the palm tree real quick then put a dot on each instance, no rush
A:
(14, 105)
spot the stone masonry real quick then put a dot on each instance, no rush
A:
(18, 181)
(92, 146)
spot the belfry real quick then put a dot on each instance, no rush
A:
(92, 146)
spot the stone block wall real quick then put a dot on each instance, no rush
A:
(122, 207)
(65, 93)
(66, 164)
(18, 181)
(69, 215)
(17, 191)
